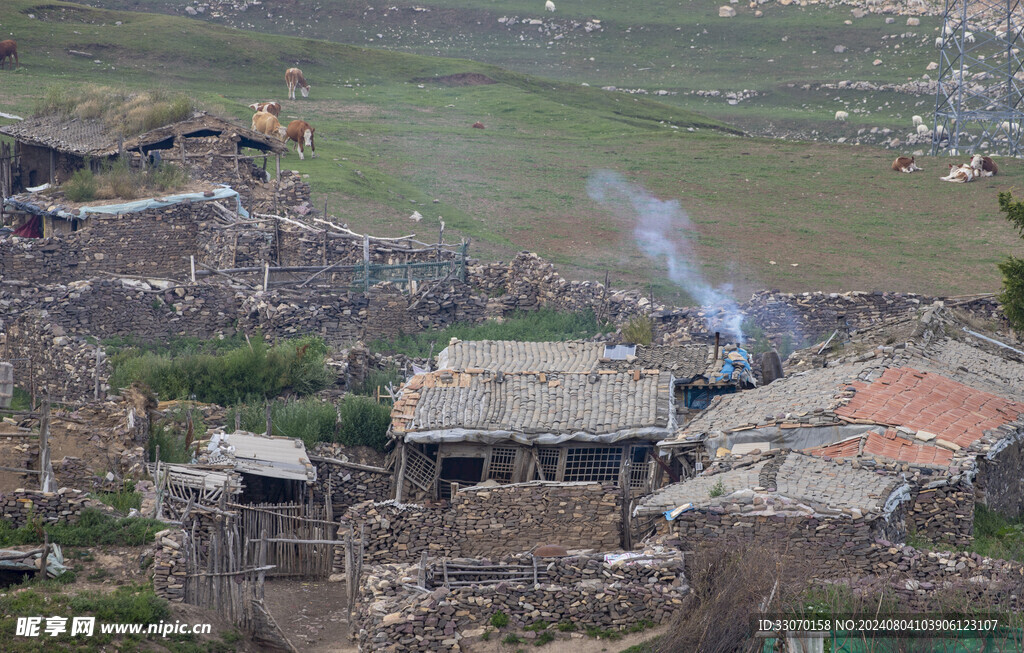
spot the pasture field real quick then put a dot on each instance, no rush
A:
(394, 135)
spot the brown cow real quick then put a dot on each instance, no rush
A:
(267, 123)
(300, 132)
(294, 79)
(984, 165)
(269, 106)
(905, 164)
(9, 50)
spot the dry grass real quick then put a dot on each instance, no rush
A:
(127, 113)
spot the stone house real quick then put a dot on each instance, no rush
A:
(49, 149)
(821, 514)
(513, 412)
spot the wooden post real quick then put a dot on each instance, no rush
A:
(627, 533)
(181, 143)
(236, 159)
(42, 558)
(266, 276)
(366, 263)
(96, 374)
(262, 563)
(45, 469)
(269, 423)
(400, 476)
(278, 177)
(53, 166)
(192, 265)
(238, 418)
(323, 259)
(329, 501)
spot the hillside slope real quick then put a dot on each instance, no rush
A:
(394, 134)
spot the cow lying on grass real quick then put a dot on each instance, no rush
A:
(905, 164)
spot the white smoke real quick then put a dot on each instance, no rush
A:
(662, 231)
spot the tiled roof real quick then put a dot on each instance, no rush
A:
(684, 361)
(924, 401)
(91, 137)
(823, 485)
(532, 403)
(807, 399)
(888, 443)
(973, 366)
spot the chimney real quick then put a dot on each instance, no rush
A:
(717, 337)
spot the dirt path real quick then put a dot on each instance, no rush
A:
(312, 614)
(577, 643)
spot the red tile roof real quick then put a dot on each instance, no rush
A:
(924, 401)
(889, 445)
(844, 449)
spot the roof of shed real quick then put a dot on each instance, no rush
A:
(925, 401)
(822, 486)
(277, 457)
(684, 361)
(571, 405)
(887, 443)
(87, 137)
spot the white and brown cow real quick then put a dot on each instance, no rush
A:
(293, 77)
(961, 174)
(302, 133)
(269, 106)
(984, 165)
(904, 164)
(267, 123)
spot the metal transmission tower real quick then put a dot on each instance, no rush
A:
(979, 104)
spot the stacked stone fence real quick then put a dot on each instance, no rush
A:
(583, 590)
(1000, 478)
(500, 520)
(349, 483)
(169, 565)
(63, 506)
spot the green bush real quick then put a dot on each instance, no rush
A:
(93, 528)
(639, 330)
(499, 619)
(308, 419)
(525, 326)
(251, 370)
(123, 605)
(364, 422)
(167, 176)
(379, 379)
(123, 500)
(81, 187)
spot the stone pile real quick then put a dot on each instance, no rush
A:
(583, 590)
(349, 483)
(500, 520)
(169, 565)
(63, 506)
(17, 452)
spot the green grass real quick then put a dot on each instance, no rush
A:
(253, 369)
(124, 500)
(389, 147)
(536, 326)
(996, 536)
(93, 529)
(309, 419)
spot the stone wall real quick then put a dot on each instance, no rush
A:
(18, 452)
(827, 547)
(349, 483)
(63, 506)
(582, 590)
(169, 565)
(501, 520)
(943, 514)
(1000, 478)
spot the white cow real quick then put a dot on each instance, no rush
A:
(842, 115)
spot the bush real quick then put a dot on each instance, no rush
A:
(123, 500)
(82, 186)
(639, 330)
(93, 528)
(308, 419)
(364, 422)
(525, 326)
(167, 176)
(251, 370)
(499, 619)
(379, 379)
(170, 433)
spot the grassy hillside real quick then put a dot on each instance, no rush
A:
(392, 139)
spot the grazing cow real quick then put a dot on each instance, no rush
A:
(300, 132)
(269, 107)
(267, 123)
(984, 165)
(9, 50)
(961, 174)
(293, 77)
(904, 164)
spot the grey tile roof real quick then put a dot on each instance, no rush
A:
(532, 403)
(973, 366)
(684, 361)
(806, 398)
(826, 487)
(92, 137)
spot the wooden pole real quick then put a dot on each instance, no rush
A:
(45, 469)
(266, 276)
(366, 263)
(96, 374)
(192, 265)
(46, 552)
(269, 422)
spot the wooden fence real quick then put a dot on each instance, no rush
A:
(300, 542)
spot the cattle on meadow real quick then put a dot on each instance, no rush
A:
(301, 132)
(9, 50)
(294, 79)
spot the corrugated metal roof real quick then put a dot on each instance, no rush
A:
(277, 457)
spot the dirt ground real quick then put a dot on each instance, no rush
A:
(575, 643)
(312, 614)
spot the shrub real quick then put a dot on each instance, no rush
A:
(93, 528)
(379, 379)
(120, 180)
(717, 490)
(639, 330)
(123, 500)
(525, 326)
(364, 422)
(308, 419)
(167, 176)
(81, 187)
(499, 619)
(250, 370)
